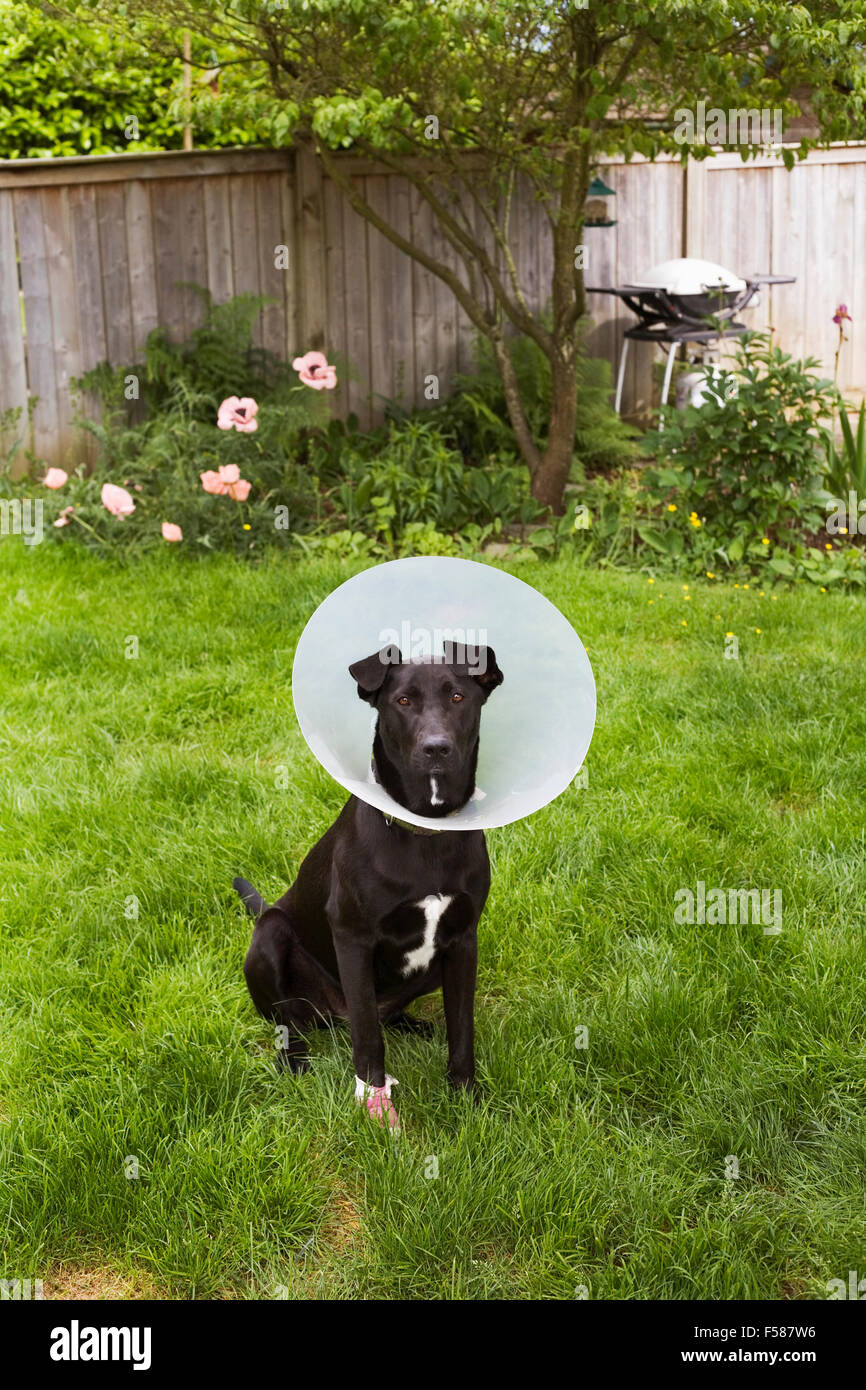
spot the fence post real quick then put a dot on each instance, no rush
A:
(13, 371)
(310, 277)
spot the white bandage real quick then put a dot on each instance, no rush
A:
(363, 1089)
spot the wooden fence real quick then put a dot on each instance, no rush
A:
(94, 253)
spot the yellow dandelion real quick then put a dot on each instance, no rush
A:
(710, 574)
(765, 540)
(774, 597)
(758, 630)
(823, 590)
(650, 581)
(829, 545)
(672, 506)
(729, 634)
(684, 623)
(687, 598)
(736, 586)
(745, 586)
(246, 526)
(843, 530)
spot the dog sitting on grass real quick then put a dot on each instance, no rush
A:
(382, 911)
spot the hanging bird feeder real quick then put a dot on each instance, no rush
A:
(597, 212)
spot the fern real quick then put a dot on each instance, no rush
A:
(218, 359)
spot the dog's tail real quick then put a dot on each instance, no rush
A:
(251, 899)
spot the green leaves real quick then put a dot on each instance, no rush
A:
(283, 123)
(744, 462)
(668, 542)
(411, 477)
(71, 88)
(846, 470)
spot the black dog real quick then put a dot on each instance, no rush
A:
(381, 911)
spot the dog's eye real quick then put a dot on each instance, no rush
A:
(403, 700)
(456, 698)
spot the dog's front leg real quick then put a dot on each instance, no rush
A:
(459, 969)
(355, 959)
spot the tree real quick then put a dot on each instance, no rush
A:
(70, 88)
(461, 96)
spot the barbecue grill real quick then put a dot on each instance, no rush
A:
(684, 301)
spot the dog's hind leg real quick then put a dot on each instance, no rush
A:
(285, 986)
(401, 1022)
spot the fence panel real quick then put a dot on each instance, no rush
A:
(95, 253)
(98, 253)
(808, 222)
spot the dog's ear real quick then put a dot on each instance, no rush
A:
(486, 673)
(477, 662)
(370, 673)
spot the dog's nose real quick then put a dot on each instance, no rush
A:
(437, 748)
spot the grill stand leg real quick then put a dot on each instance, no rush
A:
(620, 378)
(667, 384)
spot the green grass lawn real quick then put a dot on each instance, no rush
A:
(131, 1039)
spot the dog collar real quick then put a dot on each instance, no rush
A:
(395, 820)
(404, 825)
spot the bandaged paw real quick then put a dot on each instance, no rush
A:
(378, 1101)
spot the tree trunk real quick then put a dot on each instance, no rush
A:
(513, 403)
(551, 473)
(548, 471)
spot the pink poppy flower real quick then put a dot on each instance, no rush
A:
(238, 413)
(170, 532)
(227, 480)
(117, 500)
(315, 370)
(55, 477)
(210, 481)
(63, 519)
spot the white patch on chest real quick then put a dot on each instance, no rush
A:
(433, 907)
(435, 798)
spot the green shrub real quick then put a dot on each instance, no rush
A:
(404, 487)
(743, 466)
(735, 486)
(409, 475)
(70, 88)
(158, 444)
(615, 523)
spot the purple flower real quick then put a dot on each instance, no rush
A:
(842, 313)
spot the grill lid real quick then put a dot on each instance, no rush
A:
(689, 276)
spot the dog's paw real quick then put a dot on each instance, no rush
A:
(466, 1085)
(293, 1062)
(378, 1101)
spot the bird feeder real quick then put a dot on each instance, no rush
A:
(597, 213)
